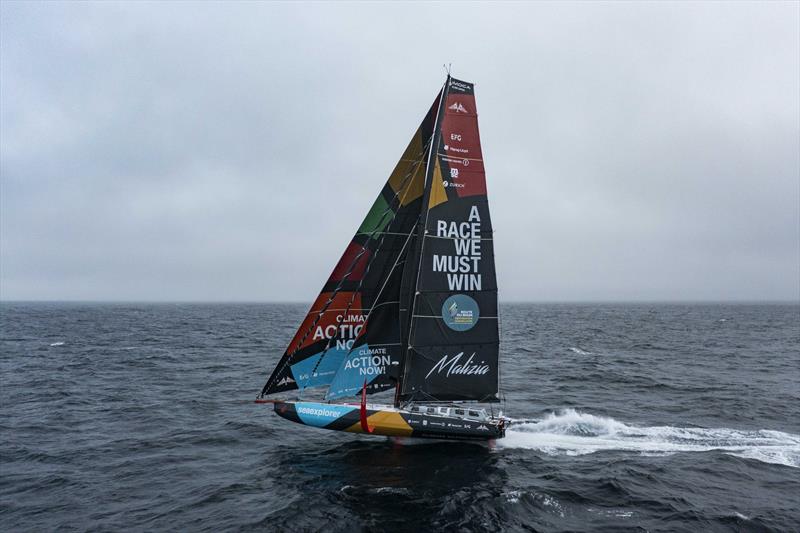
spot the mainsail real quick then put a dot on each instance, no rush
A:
(453, 340)
(412, 303)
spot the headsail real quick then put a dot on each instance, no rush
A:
(453, 339)
(365, 282)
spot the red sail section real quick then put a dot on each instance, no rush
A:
(460, 149)
(352, 264)
(327, 322)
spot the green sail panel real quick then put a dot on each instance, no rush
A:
(375, 220)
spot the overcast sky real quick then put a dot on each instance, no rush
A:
(228, 152)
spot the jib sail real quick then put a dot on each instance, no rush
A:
(453, 341)
(365, 283)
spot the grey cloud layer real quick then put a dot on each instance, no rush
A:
(228, 152)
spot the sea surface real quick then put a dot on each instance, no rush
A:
(649, 417)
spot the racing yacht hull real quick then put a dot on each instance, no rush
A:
(388, 421)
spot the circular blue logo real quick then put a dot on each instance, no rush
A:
(460, 312)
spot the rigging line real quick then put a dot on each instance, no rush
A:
(344, 309)
(428, 171)
(387, 344)
(352, 299)
(404, 187)
(367, 310)
(385, 233)
(433, 291)
(377, 298)
(410, 174)
(436, 357)
(382, 303)
(440, 317)
(386, 280)
(341, 282)
(428, 236)
(458, 158)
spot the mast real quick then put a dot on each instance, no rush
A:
(422, 229)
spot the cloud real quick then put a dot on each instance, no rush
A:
(228, 151)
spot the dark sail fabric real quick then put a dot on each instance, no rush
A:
(453, 340)
(375, 356)
(365, 282)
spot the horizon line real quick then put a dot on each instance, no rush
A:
(304, 302)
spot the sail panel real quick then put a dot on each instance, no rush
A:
(377, 353)
(453, 333)
(358, 281)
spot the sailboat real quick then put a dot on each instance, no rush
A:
(411, 306)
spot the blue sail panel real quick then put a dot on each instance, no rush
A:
(361, 364)
(305, 374)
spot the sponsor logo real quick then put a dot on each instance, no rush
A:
(448, 159)
(460, 312)
(459, 85)
(469, 368)
(453, 172)
(424, 422)
(307, 376)
(457, 107)
(451, 184)
(286, 381)
(482, 428)
(455, 136)
(318, 412)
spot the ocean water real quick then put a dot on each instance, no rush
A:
(628, 417)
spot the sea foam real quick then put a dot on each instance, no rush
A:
(570, 432)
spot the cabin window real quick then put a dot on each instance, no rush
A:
(444, 411)
(415, 409)
(460, 412)
(474, 413)
(431, 411)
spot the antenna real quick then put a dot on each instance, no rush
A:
(447, 68)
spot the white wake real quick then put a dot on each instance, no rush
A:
(570, 432)
(578, 351)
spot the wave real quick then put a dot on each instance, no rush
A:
(579, 351)
(57, 343)
(570, 432)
